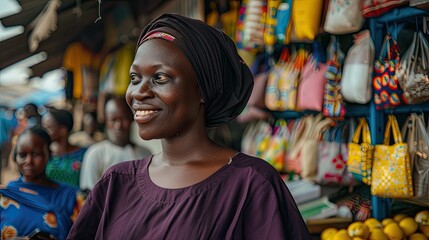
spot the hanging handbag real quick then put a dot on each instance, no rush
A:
(302, 152)
(299, 134)
(333, 154)
(273, 148)
(357, 70)
(374, 8)
(413, 72)
(312, 81)
(305, 19)
(421, 160)
(360, 155)
(283, 79)
(253, 134)
(312, 86)
(343, 16)
(284, 21)
(391, 172)
(387, 91)
(250, 26)
(333, 102)
(409, 136)
(270, 25)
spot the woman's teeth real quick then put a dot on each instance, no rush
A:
(144, 112)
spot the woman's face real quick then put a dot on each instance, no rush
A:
(51, 126)
(118, 122)
(163, 92)
(32, 156)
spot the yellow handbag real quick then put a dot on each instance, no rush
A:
(391, 171)
(306, 17)
(360, 156)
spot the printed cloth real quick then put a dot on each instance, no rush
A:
(66, 168)
(26, 206)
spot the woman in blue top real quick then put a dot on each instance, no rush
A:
(34, 201)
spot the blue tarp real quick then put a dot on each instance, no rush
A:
(17, 96)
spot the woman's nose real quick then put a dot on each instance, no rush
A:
(28, 159)
(142, 90)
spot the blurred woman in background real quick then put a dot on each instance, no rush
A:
(35, 201)
(66, 160)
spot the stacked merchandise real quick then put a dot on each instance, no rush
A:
(314, 79)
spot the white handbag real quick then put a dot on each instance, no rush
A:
(343, 16)
(356, 82)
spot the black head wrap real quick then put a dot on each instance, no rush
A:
(225, 81)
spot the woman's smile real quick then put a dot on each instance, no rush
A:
(144, 116)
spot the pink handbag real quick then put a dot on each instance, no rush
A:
(311, 87)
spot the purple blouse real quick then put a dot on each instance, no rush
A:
(245, 199)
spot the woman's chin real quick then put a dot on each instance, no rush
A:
(145, 137)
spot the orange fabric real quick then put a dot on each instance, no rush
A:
(77, 56)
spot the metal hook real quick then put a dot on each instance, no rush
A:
(99, 11)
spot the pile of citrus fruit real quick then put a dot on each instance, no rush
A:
(400, 227)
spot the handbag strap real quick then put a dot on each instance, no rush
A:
(357, 132)
(392, 124)
(408, 128)
(319, 126)
(366, 138)
(389, 48)
(364, 129)
(396, 133)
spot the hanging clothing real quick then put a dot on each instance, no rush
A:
(77, 58)
(115, 70)
(26, 206)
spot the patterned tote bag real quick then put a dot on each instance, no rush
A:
(391, 171)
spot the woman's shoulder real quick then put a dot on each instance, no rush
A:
(244, 160)
(127, 167)
(255, 165)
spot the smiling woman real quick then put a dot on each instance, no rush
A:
(187, 76)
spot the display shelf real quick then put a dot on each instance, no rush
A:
(376, 118)
(422, 107)
(378, 28)
(421, 201)
(353, 110)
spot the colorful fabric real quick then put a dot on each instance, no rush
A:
(66, 168)
(333, 102)
(27, 206)
(76, 57)
(115, 70)
(387, 91)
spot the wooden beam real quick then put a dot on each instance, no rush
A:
(68, 28)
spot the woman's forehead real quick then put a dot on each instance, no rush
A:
(160, 52)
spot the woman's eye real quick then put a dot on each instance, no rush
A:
(22, 155)
(160, 78)
(36, 154)
(134, 79)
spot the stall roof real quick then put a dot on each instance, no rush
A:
(70, 27)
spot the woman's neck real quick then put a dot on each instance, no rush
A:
(62, 147)
(44, 181)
